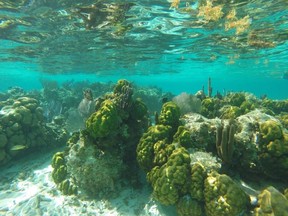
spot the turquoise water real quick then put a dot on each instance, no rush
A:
(147, 42)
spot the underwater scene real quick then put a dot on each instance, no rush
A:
(144, 108)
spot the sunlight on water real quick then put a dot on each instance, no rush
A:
(192, 39)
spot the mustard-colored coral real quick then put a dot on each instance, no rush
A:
(198, 175)
(169, 182)
(271, 202)
(187, 206)
(223, 196)
(270, 130)
(170, 114)
(145, 148)
(104, 121)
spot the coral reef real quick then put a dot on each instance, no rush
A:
(99, 155)
(23, 129)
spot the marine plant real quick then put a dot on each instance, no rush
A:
(210, 12)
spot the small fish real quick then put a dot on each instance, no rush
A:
(18, 147)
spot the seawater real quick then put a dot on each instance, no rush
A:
(174, 48)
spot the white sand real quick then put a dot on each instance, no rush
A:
(26, 188)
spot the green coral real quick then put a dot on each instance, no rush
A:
(247, 106)
(198, 175)
(276, 106)
(67, 188)
(273, 157)
(271, 202)
(284, 120)
(230, 112)
(223, 196)
(235, 99)
(139, 109)
(183, 137)
(145, 148)
(187, 206)
(169, 181)
(270, 130)
(162, 151)
(105, 121)
(121, 86)
(210, 107)
(59, 172)
(170, 114)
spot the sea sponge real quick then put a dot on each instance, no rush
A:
(223, 196)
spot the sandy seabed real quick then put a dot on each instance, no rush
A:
(27, 188)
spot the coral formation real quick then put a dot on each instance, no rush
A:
(198, 175)
(23, 129)
(225, 141)
(145, 148)
(98, 156)
(169, 181)
(223, 196)
(187, 206)
(271, 202)
(170, 114)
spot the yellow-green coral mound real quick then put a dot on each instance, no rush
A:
(169, 182)
(145, 148)
(104, 121)
(271, 202)
(187, 206)
(198, 175)
(170, 114)
(271, 130)
(223, 196)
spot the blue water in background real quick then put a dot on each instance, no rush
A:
(160, 50)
